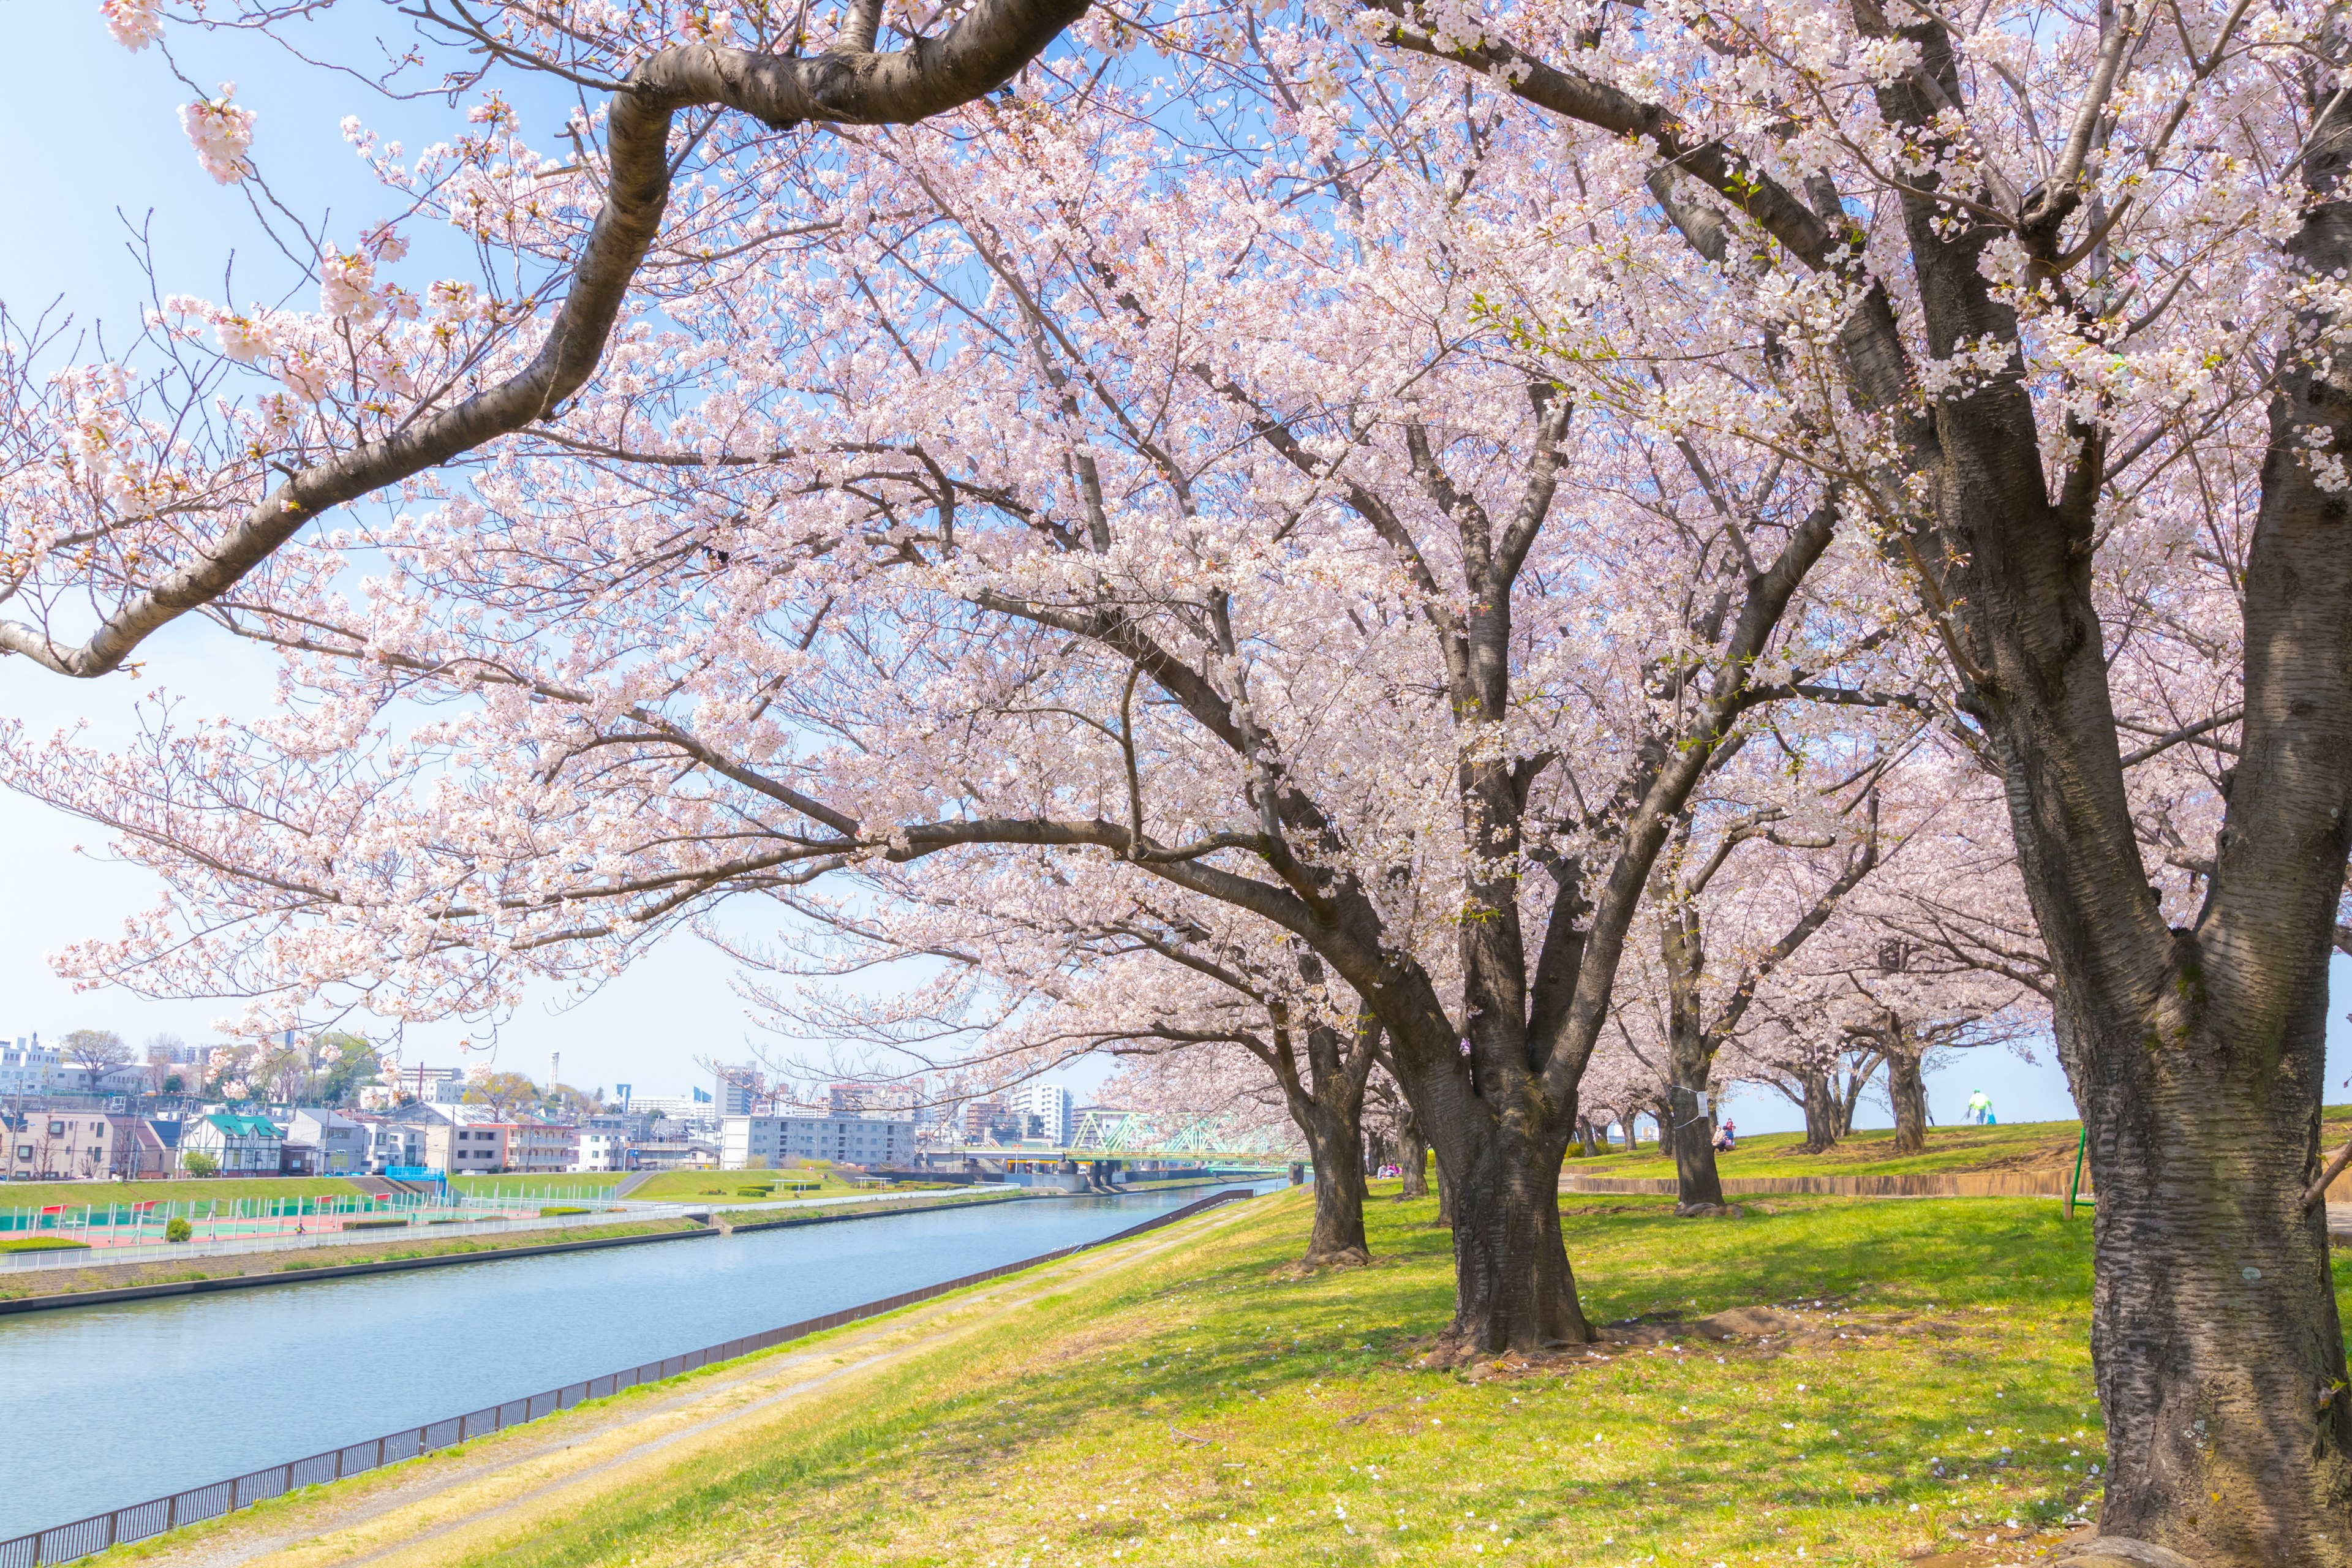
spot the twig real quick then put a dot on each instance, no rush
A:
(2335, 1168)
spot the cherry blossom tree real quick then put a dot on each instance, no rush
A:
(1054, 957)
(2085, 269)
(133, 497)
(1182, 512)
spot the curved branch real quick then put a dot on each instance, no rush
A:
(982, 51)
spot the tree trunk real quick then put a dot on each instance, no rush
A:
(1336, 1143)
(1513, 1286)
(1689, 1060)
(1328, 1106)
(1692, 1139)
(1908, 1089)
(1444, 1196)
(1587, 1138)
(2214, 1331)
(1821, 1110)
(1412, 1159)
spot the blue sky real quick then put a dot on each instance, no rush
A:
(112, 118)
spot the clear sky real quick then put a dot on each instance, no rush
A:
(119, 164)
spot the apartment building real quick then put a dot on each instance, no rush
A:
(540, 1147)
(28, 1066)
(850, 1138)
(476, 1150)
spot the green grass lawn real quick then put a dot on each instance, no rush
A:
(2007, 1146)
(685, 1186)
(222, 1189)
(1926, 1380)
(534, 1186)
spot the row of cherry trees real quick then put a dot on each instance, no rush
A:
(1538, 556)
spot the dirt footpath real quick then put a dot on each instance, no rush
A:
(431, 1510)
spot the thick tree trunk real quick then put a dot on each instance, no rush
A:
(1336, 1143)
(1513, 1286)
(1821, 1110)
(1587, 1138)
(1906, 1088)
(2214, 1331)
(1444, 1196)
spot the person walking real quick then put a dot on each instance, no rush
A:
(1980, 1109)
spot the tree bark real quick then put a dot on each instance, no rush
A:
(1697, 1181)
(1513, 1284)
(1821, 1110)
(1413, 1161)
(1328, 1106)
(1444, 1196)
(1336, 1144)
(1906, 1088)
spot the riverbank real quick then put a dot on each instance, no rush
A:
(1897, 1379)
(133, 1281)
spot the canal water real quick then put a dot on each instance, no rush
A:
(105, 1405)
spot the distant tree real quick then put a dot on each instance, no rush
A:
(501, 1091)
(96, 1052)
(344, 1062)
(196, 1163)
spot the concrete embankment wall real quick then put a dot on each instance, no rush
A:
(335, 1271)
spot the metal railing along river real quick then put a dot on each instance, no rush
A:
(64, 1542)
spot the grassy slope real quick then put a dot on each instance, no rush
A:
(560, 1182)
(2019, 1146)
(671, 1187)
(1212, 1408)
(220, 1189)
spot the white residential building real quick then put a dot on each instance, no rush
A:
(1050, 1104)
(602, 1149)
(239, 1144)
(845, 1137)
(28, 1066)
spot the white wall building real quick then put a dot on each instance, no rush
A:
(1050, 1104)
(28, 1066)
(850, 1138)
(602, 1149)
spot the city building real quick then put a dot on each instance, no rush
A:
(28, 1066)
(136, 1150)
(56, 1145)
(1047, 1111)
(540, 1147)
(991, 1119)
(247, 1144)
(736, 1095)
(674, 1153)
(603, 1148)
(392, 1144)
(853, 1138)
(342, 1143)
(467, 1151)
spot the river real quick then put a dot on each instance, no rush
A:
(105, 1405)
